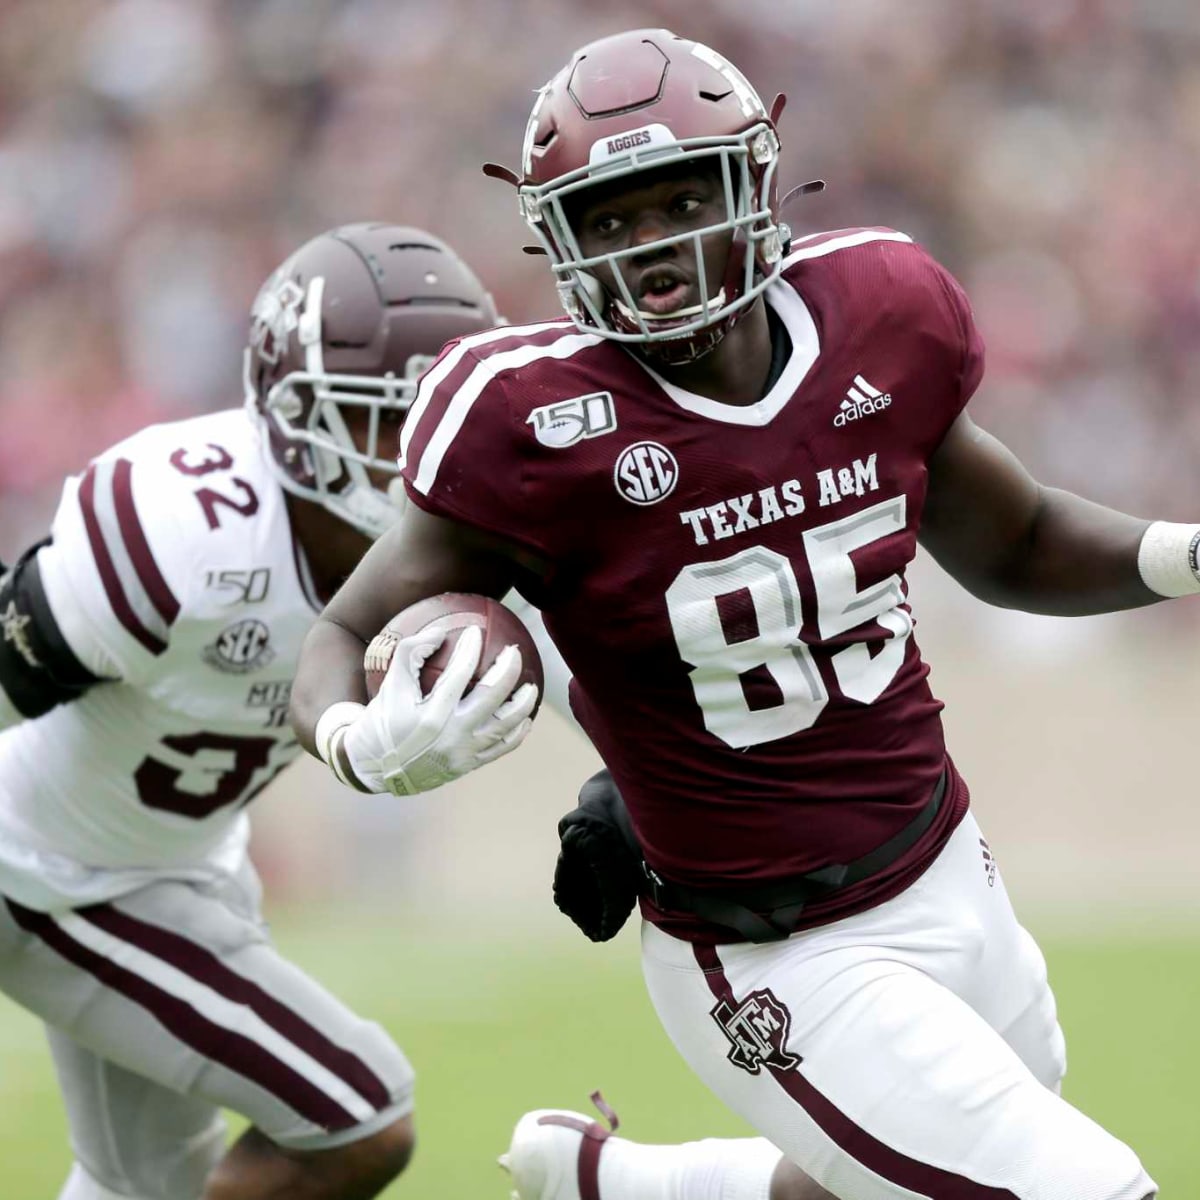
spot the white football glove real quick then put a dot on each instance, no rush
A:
(404, 741)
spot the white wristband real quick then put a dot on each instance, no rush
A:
(329, 735)
(1167, 558)
(331, 720)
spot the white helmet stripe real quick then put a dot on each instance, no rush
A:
(748, 98)
(308, 330)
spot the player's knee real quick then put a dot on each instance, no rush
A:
(386, 1152)
(367, 1165)
(256, 1165)
(364, 1167)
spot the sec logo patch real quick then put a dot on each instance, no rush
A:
(646, 473)
(240, 648)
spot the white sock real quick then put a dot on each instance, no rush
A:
(712, 1169)
(81, 1186)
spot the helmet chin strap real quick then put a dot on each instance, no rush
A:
(715, 305)
(689, 348)
(367, 509)
(683, 348)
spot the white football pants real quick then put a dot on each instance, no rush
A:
(908, 1051)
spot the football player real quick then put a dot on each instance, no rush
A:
(149, 645)
(711, 478)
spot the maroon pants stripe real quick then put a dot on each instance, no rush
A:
(223, 1046)
(205, 967)
(893, 1166)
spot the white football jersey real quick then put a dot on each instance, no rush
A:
(173, 572)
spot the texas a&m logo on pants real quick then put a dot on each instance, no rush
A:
(758, 1030)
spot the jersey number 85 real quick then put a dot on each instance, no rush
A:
(772, 639)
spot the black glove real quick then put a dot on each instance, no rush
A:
(599, 870)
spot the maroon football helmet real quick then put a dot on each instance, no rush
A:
(338, 337)
(637, 102)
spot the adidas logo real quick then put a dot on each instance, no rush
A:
(861, 401)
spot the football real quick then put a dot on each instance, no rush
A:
(454, 612)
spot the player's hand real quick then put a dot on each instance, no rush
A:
(597, 876)
(405, 741)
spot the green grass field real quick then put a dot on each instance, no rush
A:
(498, 1026)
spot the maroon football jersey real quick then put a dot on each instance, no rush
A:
(727, 583)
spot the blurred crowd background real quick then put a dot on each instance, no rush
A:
(159, 157)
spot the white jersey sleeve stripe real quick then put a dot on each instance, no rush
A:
(859, 238)
(134, 610)
(460, 406)
(440, 370)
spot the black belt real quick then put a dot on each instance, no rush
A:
(769, 912)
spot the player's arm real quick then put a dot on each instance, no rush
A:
(422, 556)
(1014, 543)
(39, 670)
(556, 672)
